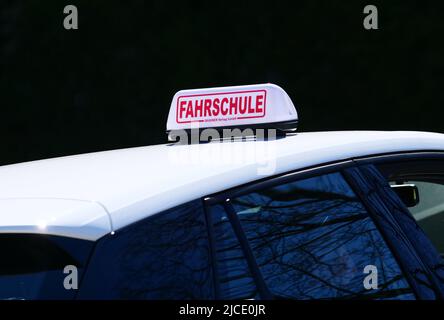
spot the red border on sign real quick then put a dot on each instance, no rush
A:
(218, 93)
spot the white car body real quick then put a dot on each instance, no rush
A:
(88, 196)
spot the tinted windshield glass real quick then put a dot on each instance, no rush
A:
(165, 256)
(32, 266)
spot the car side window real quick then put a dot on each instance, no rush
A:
(428, 177)
(420, 222)
(165, 256)
(313, 239)
(429, 212)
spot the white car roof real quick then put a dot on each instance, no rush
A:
(87, 196)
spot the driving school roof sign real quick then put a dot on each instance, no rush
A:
(240, 106)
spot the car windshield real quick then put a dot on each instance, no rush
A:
(41, 266)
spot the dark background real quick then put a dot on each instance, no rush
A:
(109, 84)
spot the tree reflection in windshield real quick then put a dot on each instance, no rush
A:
(165, 256)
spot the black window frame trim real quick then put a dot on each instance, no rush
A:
(400, 156)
